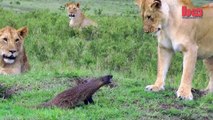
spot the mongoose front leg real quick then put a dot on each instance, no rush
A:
(86, 102)
(90, 100)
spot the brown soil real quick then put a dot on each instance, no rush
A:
(7, 92)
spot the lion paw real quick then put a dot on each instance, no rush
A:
(206, 91)
(185, 94)
(154, 88)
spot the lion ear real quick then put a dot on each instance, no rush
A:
(138, 2)
(78, 5)
(23, 31)
(157, 4)
(67, 4)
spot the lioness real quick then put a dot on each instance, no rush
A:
(13, 59)
(192, 37)
(77, 18)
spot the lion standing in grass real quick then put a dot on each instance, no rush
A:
(192, 37)
(77, 18)
(13, 59)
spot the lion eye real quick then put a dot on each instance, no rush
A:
(5, 39)
(17, 40)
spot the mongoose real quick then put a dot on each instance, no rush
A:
(82, 92)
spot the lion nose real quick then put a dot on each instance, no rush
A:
(159, 29)
(12, 51)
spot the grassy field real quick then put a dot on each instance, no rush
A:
(118, 46)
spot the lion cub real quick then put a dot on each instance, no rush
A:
(77, 18)
(13, 59)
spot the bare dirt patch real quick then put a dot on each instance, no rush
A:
(7, 92)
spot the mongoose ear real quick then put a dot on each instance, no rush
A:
(157, 4)
(67, 4)
(78, 5)
(23, 31)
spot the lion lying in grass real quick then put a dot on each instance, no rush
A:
(77, 18)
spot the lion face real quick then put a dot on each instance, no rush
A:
(72, 9)
(11, 43)
(151, 14)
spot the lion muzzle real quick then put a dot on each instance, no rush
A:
(71, 15)
(11, 57)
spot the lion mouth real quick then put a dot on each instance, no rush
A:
(9, 59)
(71, 15)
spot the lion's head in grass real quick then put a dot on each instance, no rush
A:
(12, 54)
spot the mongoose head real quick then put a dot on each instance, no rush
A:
(101, 80)
(107, 79)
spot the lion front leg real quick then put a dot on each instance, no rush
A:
(209, 65)
(5, 72)
(209, 88)
(164, 60)
(189, 61)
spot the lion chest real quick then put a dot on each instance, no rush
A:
(11, 69)
(76, 21)
(73, 22)
(166, 40)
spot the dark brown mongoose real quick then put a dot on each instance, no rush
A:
(82, 92)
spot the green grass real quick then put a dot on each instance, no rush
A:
(118, 46)
(201, 2)
(105, 7)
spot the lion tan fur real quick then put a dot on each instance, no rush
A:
(77, 18)
(192, 37)
(13, 58)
